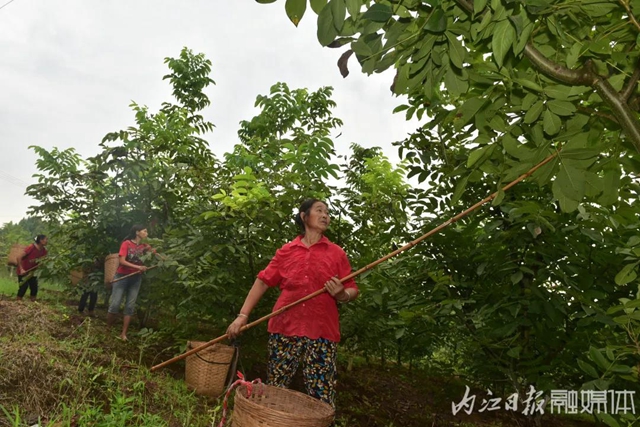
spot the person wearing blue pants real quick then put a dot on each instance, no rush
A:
(130, 252)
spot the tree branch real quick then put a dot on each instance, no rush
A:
(586, 75)
(583, 76)
(631, 84)
(632, 18)
(597, 113)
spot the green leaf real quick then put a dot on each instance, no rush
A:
(503, 36)
(460, 187)
(477, 154)
(528, 101)
(571, 182)
(295, 10)
(479, 5)
(634, 303)
(437, 22)
(574, 54)
(607, 419)
(534, 112)
(481, 268)
(521, 41)
(514, 148)
(565, 92)
(457, 52)
(611, 184)
(378, 12)
(633, 241)
(353, 7)
(596, 356)
(586, 367)
(516, 277)
(339, 12)
(592, 234)
(544, 174)
(593, 184)
(326, 30)
(400, 333)
(468, 111)
(551, 123)
(579, 153)
(455, 84)
(561, 108)
(514, 352)
(318, 5)
(627, 274)
(566, 204)
(529, 84)
(266, 1)
(498, 199)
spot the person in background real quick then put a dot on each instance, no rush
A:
(90, 293)
(27, 263)
(308, 332)
(130, 252)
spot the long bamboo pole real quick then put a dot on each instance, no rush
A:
(366, 268)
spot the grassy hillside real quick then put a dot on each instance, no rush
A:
(60, 368)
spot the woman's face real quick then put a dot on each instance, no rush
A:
(142, 234)
(318, 217)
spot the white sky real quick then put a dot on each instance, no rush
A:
(70, 69)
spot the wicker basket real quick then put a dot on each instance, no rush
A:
(76, 276)
(111, 263)
(279, 407)
(206, 371)
(15, 251)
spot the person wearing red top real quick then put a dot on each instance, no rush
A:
(131, 250)
(28, 262)
(308, 332)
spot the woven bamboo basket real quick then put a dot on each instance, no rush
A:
(111, 263)
(206, 371)
(15, 251)
(279, 407)
(76, 276)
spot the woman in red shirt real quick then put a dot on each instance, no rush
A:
(131, 250)
(27, 262)
(308, 332)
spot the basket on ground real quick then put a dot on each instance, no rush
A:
(279, 407)
(16, 251)
(76, 276)
(206, 371)
(111, 263)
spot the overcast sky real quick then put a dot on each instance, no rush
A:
(70, 69)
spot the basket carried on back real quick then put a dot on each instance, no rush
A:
(16, 251)
(279, 407)
(206, 371)
(76, 276)
(111, 263)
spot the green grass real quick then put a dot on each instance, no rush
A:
(9, 285)
(83, 376)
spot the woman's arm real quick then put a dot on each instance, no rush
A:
(255, 294)
(123, 261)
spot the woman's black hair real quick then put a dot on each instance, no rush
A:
(39, 238)
(306, 208)
(134, 230)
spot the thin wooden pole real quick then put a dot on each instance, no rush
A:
(366, 268)
(28, 274)
(129, 275)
